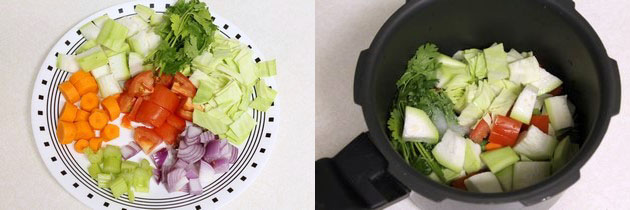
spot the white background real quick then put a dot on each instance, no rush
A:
(281, 29)
(344, 28)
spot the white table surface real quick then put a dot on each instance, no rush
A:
(344, 28)
(281, 29)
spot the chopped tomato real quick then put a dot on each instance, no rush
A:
(541, 121)
(176, 122)
(168, 133)
(186, 115)
(125, 102)
(505, 131)
(152, 114)
(557, 91)
(165, 79)
(186, 104)
(146, 138)
(134, 109)
(480, 132)
(142, 84)
(165, 98)
(183, 86)
(127, 83)
(126, 122)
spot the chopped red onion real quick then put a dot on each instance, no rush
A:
(207, 136)
(185, 188)
(176, 180)
(194, 186)
(192, 140)
(130, 150)
(159, 157)
(233, 155)
(220, 165)
(206, 172)
(193, 131)
(180, 164)
(191, 171)
(191, 153)
(214, 150)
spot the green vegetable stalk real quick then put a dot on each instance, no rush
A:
(416, 89)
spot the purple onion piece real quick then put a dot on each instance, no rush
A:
(192, 172)
(129, 150)
(207, 136)
(193, 131)
(191, 140)
(185, 188)
(176, 180)
(157, 174)
(220, 165)
(159, 157)
(206, 172)
(195, 187)
(180, 164)
(214, 150)
(234, 155)
(192, 153)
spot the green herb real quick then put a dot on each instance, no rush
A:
(186, 32)
(416, 89)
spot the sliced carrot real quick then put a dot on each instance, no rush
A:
(89, 101)
(110, 104)
(84, 131)
(126, 122)
(493, 146)
(68, 112)
(95, 144)
(82, 115)
(87, 85)
(69, 92)
(80, 145)
(66, 132)
(110, 132)
(78, 76)
(98, 119)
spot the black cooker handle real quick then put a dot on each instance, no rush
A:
(356, 178)
(358, 77)
(615, 93)
(567, 3)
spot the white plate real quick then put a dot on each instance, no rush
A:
(69, 167)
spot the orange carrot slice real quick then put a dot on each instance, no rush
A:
(69, 92)
(110, 104)
(66, 132)
(82, 115)
(493, 146)
(87, 85)
(110, 132)
(80, 145)
(84, 131)
(78, 76)
(98, 120)
(68, 112)
(95, 144)
(89, 101)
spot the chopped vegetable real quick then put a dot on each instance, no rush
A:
(66, 132)
(547, 82)
(525, 71)
(112, 35)
(505, 178)
(499, 159)
(110, 131)
(524, 105)
(472, 162)
(146, 138)
(563, 153)
(529, 173)
(119, 66)
(505, 131)
(485, 182)
(68, 113)
(541, 122)
(67, 63)
(98, 120)
(80, 145)
(492, 146)
(82, 115)
(84, 131)
(535, 144)
(108, 85)
(111, 106)
(450, 151)
(418, 127)
(559, 114)
(100, 71)
(89, 101)
(92, 58)
(496, 61)
(86, 85)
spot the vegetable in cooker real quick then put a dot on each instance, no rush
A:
(482, 120)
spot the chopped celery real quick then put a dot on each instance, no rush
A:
(496, 60)
(112, 35)
(100, 71)
(86, 46)
(95, 158)
(141, 178)
(128, 165)
(119, 66)
(144, 12)
(94, 170)
(118, 187)
(67, 63)
(92, 58)
(144, 163)
(266, 68)
(89, 31)
(100, 21)
(103, 180)
(505, 178)
(499, 159)
(111, 165)
(130, 193)
(108, 85)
